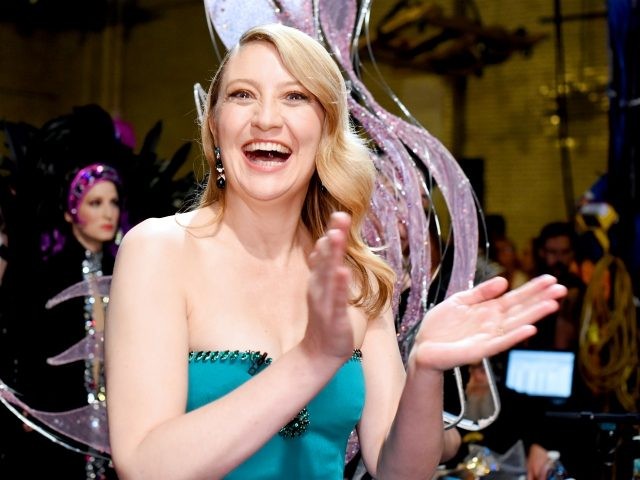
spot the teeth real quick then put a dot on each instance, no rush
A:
(267, 147)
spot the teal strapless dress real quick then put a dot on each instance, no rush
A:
(311, 446)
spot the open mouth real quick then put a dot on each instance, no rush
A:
(266, 152)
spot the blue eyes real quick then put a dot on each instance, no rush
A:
(241, 94)
(291, 96)
(296, 96)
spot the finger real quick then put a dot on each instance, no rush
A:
(539, 299)
(341, 292)
(529, 314)
(328, 256)
(337, 244)
(313, 259)
(339, 225)
(552, 293)
(340, 221)
(320, 277)
(542, 287)
(484, 291)
(337, 233)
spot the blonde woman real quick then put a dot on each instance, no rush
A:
(246, 338)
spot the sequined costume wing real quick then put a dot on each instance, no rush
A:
(100, 286)
(80, 428)
(83, 426)
(91, 347)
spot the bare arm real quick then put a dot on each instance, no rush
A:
(461, 330)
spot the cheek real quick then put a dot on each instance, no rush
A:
(227, 122)
(85, 217)
(81, 219)
(310, 140)
(315, 126)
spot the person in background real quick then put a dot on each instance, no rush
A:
(524, 417)
(527, 258)
(556, 255)
(502, 251)
(269, 313)
(81, 249)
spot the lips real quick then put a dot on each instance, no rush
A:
(266, 152)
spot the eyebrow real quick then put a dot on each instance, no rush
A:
(254, 83)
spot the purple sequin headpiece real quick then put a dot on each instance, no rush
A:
(84, 180)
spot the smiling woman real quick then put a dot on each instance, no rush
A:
(273, 334)
(267, 128)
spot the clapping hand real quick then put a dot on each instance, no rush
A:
(330, 330)
(483, 321)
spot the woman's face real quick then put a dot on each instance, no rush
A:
(98, 215)
(267, 125)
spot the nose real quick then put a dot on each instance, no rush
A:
(111, 212)
(267, 114)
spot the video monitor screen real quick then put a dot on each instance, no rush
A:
(540, 373)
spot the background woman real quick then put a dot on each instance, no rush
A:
(81, 250)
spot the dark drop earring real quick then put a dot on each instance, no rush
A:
(221, 180)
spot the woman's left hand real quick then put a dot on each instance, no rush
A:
(483, 321)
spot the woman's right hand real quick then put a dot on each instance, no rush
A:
(330, 330)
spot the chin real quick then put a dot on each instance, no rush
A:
(104, 239)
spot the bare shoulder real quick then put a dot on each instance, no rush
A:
(160, 230)
(157, 234)
(149, 244)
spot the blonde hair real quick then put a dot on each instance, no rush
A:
(345, 175)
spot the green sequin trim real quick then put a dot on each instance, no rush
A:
(224, 355)
(251, 355)
(297, 426)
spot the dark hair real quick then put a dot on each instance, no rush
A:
(557, 229)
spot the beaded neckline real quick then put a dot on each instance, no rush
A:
(222, 355)
(246, 355)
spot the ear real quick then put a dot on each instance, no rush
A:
(68, 218)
